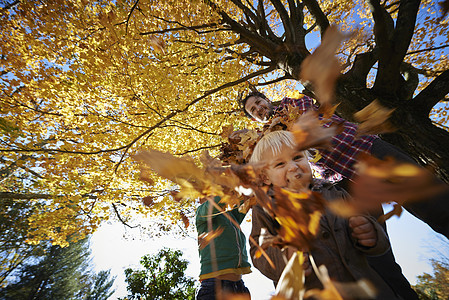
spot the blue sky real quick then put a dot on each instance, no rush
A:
(413, 242)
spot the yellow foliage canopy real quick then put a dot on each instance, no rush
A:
(86, 84)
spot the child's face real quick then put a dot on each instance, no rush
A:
(288, 169)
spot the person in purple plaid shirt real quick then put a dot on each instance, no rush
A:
(340, 163)
(346, 147)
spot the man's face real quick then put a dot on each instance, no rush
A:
(259, 108)
(288, 169)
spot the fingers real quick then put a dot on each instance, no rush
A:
(363, 231)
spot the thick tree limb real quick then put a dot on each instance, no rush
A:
(361, 67)
(432, 94)
(297, 20)
(288, 26)
(405, 26)
(321, 19)
(265, 47)
(264, 26)
(253, 20)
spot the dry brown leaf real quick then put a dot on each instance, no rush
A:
(309, 132)
(205, 238)
(185, 220)
(322, 67)
(396, 211)
(333, 290)
(374, 119)
(169, 166)
(148, 201)
(226, 131)
(158, 44)
(291, 282)
(343, 208)
(382, 181)
(299, 216)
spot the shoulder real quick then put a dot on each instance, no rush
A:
(329, 190)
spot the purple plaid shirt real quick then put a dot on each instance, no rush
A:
(346, 147)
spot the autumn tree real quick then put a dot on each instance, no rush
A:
(162, 277)
(85, 84)
(58, 273)
(434, 286)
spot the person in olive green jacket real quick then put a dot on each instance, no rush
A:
(224, 260)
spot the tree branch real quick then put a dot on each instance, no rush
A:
(193, 28)
(11, 5)
(129, 15)
(286, 76)
(432, 94)
(321, 19)
(198, 149)
(428, 49)
(120, 217)
(286, 21)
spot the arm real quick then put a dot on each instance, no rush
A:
(261, 220)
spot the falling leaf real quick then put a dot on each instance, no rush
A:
(291, 282)
(322, 67)
(396, 211)
(299, 215)
(382, 181)
(333, 290)
(145, 175)
(205, 238)
(343, 208)
(185, 220)
(158, 44)
(374, 119)
(309, 132)
(148, 201)
(226, 131)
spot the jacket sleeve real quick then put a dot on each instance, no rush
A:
(260, 219)
(383, 243)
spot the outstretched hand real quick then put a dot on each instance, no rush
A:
(363, 230)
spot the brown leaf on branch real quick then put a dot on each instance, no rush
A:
(205, 238)
(309, 132)
(322, 67)
(374, 119)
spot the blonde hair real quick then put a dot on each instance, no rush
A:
(272, 141)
